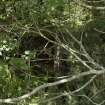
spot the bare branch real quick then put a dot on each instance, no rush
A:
(90, 7)
(85, 85)
(62, 81)
(94, 1)
(102, 32)
(90, 59)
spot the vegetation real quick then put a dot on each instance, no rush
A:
(52, 52)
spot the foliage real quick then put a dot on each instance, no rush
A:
(36, 48)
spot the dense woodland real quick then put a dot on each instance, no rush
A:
(52, 52)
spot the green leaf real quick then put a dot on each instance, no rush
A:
(19, 63)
